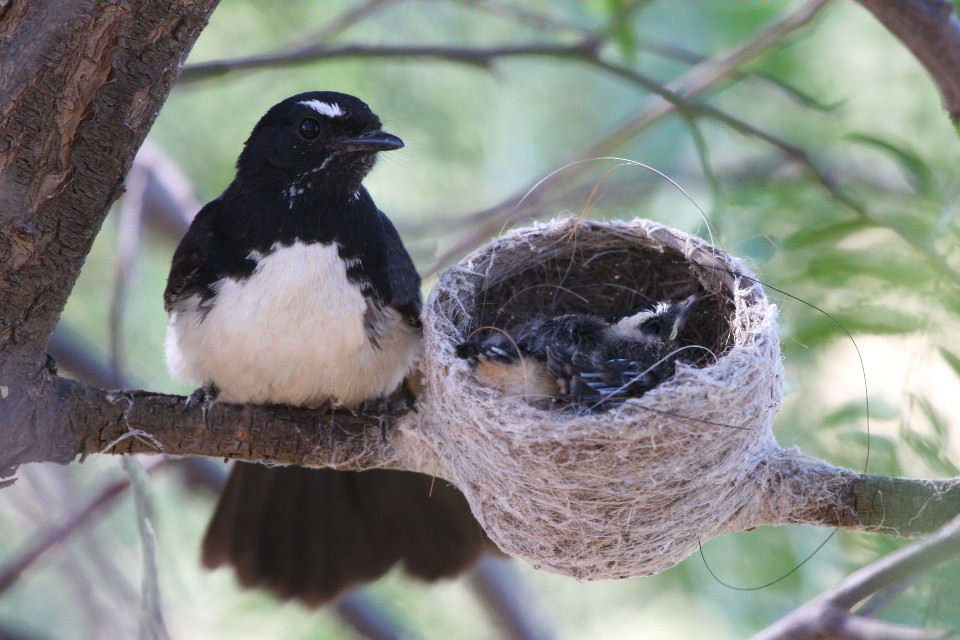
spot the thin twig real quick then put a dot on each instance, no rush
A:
(509, 599)
(829, 615)
(696, 80)
(339, 24)
(481, 57)
(54, 535)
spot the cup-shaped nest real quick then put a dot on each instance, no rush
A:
(632, 489)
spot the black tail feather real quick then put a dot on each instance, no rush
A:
(311, 534)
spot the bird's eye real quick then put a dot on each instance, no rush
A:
(309, 128)
(652, 327)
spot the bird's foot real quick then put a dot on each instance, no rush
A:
(206, 397)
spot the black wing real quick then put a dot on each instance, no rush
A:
(402, 275)
(188, 270)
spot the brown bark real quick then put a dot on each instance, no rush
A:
(931, 31)
(80, 85)
(60, 420)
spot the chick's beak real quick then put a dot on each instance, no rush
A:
(371, 142)
(683, 312)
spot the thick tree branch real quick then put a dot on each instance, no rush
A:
(81, 84)
(66, 419)
(931, 31)
(63, 419)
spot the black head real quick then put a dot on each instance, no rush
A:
(329, 139)
(660, 325)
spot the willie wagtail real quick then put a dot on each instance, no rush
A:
(581, 358)
(293, 288)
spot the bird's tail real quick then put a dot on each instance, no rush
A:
(310, 534)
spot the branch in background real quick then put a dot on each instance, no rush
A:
(697, 80)
(828, 616)
(481, 57)
(369, 620)
(73, 354)
(13, 568)
(169, 201)
(340, 23)
(510, 600)
(931, 31)
(129, 233)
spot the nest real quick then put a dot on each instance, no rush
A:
(630, 490)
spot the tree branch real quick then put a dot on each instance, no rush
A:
(696, 80)
(64, 419)
(67, 419)
(13, 568)
(931, 31)
(828, 616)
(481, 57)
(82, 83)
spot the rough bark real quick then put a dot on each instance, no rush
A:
(80, 85)
(69, 420)
(61, 420)
(931, 31)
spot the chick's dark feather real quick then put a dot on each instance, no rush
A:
(587, 357)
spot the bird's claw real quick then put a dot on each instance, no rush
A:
(206, 397)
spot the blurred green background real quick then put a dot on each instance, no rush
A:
(880, 253)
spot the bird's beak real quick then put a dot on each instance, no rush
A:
(683, 311)
(371, 142)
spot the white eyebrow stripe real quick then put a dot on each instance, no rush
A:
(329, 109)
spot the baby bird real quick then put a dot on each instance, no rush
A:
(582, 358)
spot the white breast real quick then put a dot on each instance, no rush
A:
(291, 333)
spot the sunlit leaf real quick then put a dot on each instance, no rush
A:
(874, 321)
(832, 233)
(622, 30)
(951, 358)
(913, 166)
(836, 267)
(856, 410)
(929, 450)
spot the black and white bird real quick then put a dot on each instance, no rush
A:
(293, 288)
(580, 358)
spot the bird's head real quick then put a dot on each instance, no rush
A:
(324, 138)
(661, 324)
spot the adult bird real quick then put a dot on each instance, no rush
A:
(293, 288)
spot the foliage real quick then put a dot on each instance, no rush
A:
(879, 254)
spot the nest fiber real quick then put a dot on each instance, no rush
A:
(626, 491)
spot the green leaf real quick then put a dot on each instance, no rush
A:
(951, 358)
(831, 233)
(916, 170)
(856, 410)
(621, 27)
(869, 321)
(837, 267)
